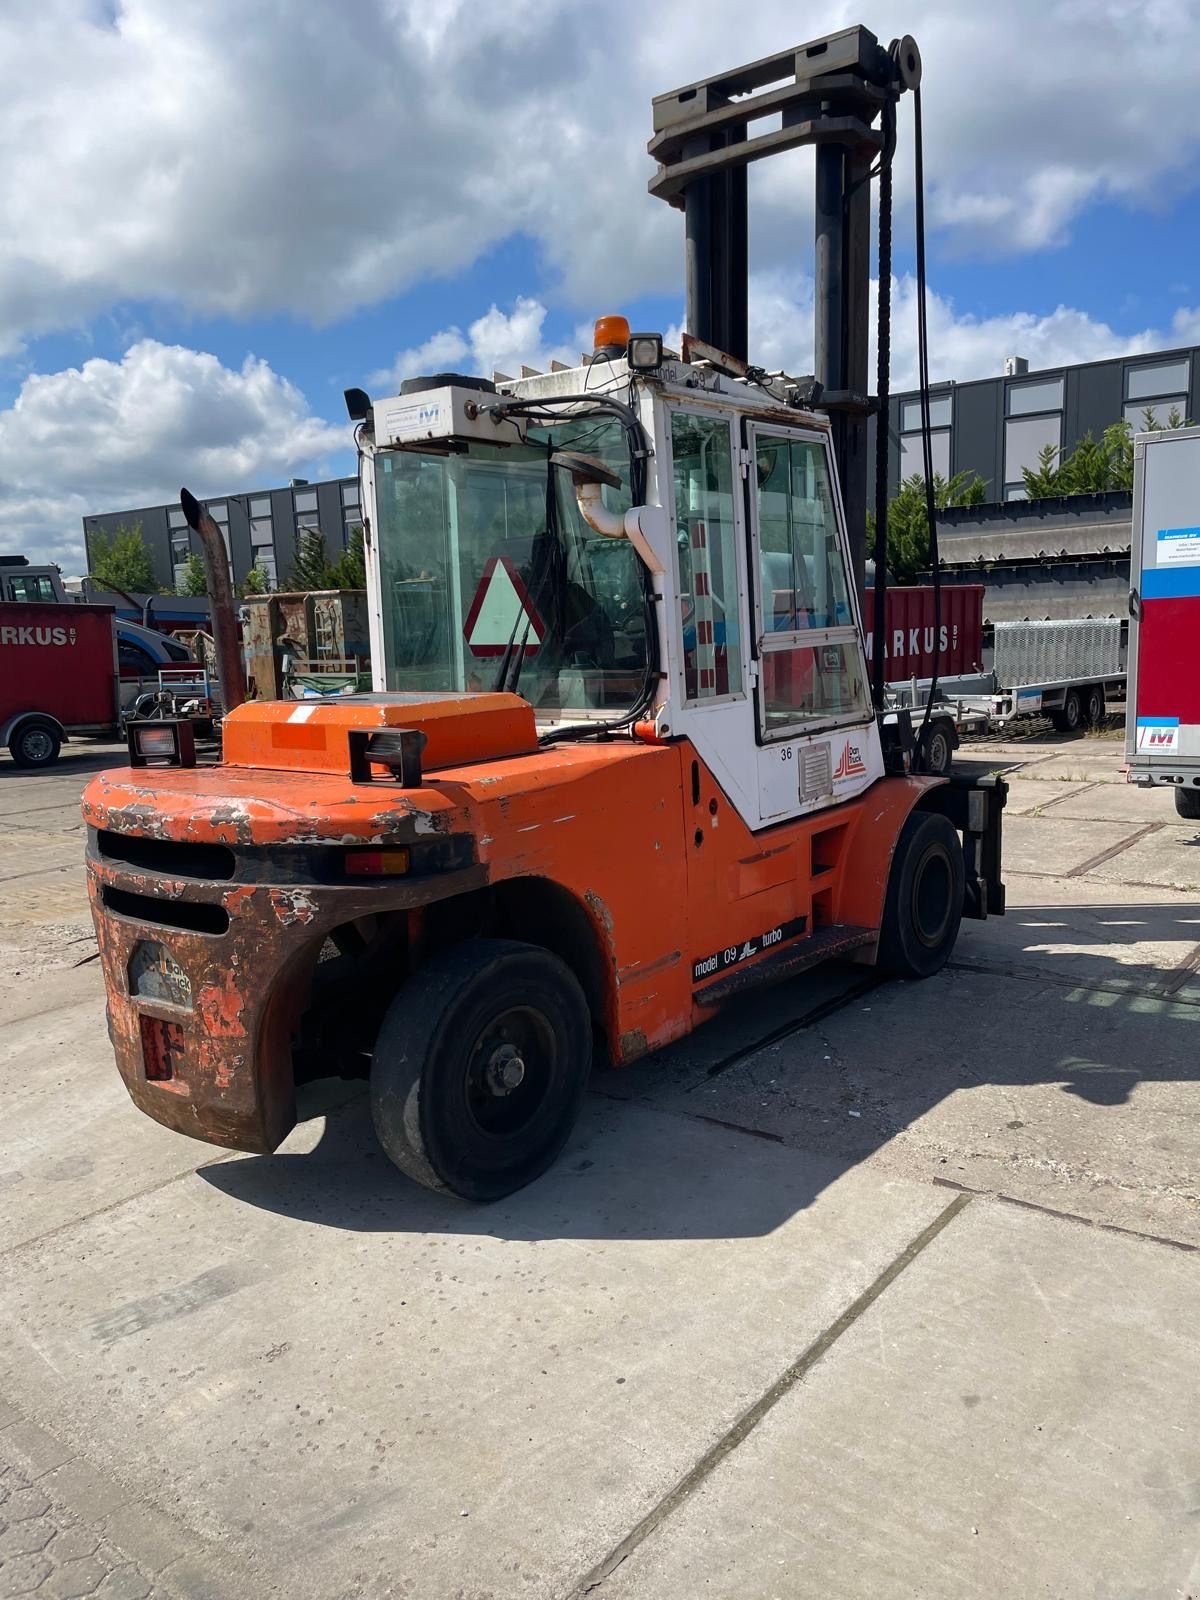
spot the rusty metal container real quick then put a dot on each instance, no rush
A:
(320, 636)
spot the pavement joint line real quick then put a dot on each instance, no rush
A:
(41, 872)
(32, 811)
(1069, 1216)
(1038, 975)
(1044, 805)
(1112, 851)
(1124, 883)
(113, 1205)
(766, 1402)
(816, 1013)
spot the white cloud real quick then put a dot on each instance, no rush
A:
(498, 341)
(961, 345)
(122, 433)
(261, 159)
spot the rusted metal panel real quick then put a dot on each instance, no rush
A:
(319, 626)
(911, 635)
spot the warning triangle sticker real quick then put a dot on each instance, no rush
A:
(502, 610)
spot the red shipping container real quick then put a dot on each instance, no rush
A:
(61, 660)
(910, 635)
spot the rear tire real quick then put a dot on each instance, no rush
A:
(1093, 706)
(35, 744)
(923, 908)
(1070, 718)
(480, 1068)
(1187, 803)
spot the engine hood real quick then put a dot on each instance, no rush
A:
(311, 735)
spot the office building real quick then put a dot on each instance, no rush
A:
(260, 525)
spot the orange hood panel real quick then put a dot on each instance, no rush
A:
(310, 735)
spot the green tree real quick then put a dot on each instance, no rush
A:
(195, 578)
(908, 520)
(255, 581)
(1094, 465)
(312, 568)
(122, 561)
(350, 568)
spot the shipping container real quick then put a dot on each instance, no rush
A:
(296, 640)
(910, 635)
(58, 670)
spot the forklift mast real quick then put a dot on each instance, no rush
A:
(839, 94)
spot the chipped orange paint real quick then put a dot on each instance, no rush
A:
(663, 881)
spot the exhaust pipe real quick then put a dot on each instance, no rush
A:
(216, 567)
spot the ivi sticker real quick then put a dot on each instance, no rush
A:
(733, 955)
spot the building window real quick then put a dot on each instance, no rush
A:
(305, 501)
(261, 507)
(219, 512)
(1143, 415)
(940, 408)
(912, 460)
(1024, 440)
(261, 531)
(176, 518)
(1026, 398)
(1153, 392)
(349, 494)
(1161, 379)
(1034, 412)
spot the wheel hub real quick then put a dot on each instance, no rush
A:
(505, 1070)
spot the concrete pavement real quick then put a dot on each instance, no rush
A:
(884, 1290)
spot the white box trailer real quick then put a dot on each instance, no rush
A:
(1162, 722)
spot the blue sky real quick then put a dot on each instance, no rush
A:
(220, 217)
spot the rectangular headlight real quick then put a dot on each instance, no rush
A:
(171, 742)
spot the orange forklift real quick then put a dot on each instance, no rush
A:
(621, 761)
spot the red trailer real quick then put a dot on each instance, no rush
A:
(910, 632)
(58, 676)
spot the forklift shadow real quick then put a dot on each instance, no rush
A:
(733, 1131)
(597, 1189)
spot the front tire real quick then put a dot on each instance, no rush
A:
(35, 744)
(1187, 803)
(923, 908)
(480, 1068)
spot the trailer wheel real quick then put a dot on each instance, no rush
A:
(1093, 709)
(923, 907)
(480, 1068)
(939, 753)
(1070, 718)
(35, 744)
(1187, 803)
